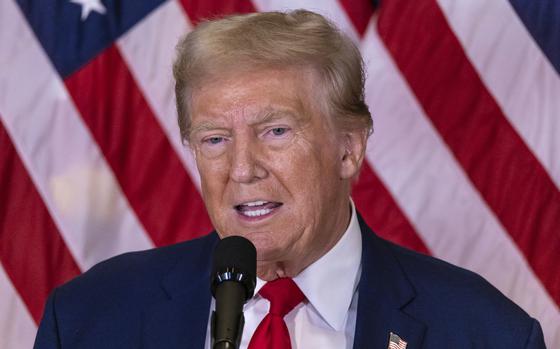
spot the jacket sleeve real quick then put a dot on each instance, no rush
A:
(536, 339)
(47, 334)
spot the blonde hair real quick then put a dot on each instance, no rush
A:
(255, 41)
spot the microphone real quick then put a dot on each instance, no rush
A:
(233, 283)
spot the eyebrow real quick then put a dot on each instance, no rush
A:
(265, 117)
(205, 126)
(273, 115)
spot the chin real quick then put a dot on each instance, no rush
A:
(267, 250)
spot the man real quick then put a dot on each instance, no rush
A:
(272, 107)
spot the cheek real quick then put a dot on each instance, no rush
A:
(213, 177)
(307, 172)
(316, 178)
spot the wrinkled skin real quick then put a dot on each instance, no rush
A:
(260, 136)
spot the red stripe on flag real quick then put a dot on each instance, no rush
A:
(32, 251)
(503, 169)
(360, 12)
(382, 213)
(201, 9)
(144, 162)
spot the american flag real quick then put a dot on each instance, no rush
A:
(464, 163)
(395, 342)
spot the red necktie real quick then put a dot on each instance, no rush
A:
(272, 332)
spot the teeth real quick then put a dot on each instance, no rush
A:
(256, 213)
(255, 203)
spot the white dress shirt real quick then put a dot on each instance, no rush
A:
(327, 319)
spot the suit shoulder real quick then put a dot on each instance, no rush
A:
(138, 271)
(451, 294)
(428, 273)
(109, 301)
(423, 269)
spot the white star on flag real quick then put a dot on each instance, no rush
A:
(90, 5)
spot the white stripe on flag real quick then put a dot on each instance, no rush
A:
(515, 71)
(149, 51)
(435, 194)
(64, 162)
(16, 324)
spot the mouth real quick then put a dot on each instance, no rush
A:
(257, 209)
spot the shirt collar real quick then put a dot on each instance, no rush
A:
(334, 276)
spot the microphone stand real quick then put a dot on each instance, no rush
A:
(233, 283)
(229, 304)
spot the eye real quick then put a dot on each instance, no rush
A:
(214, 140)
(279, 131)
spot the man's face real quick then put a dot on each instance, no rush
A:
(272, 166)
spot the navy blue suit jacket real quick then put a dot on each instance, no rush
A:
(160, 299)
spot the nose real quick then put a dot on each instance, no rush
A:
(246, 166)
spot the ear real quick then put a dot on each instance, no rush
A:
(353, 148)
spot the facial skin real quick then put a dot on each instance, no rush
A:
(273, 167)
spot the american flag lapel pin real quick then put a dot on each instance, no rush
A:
(396, 342)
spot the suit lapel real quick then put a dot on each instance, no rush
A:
(384, 292)
(180, 318)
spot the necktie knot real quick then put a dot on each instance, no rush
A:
(283, 295)
(272, 332)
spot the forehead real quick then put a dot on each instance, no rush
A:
(256, 94)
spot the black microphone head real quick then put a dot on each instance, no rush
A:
(235, 259)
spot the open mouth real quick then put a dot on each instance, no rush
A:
(257, 208)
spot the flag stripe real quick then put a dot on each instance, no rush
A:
(27, 226)
(198, 10)
(510, 62)
(149, 52)
(435, 194)
(470, 122)
(148, 170)
(75, 182)
(360, 12)
(542, 19)
(381, 213)
(16, 324)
